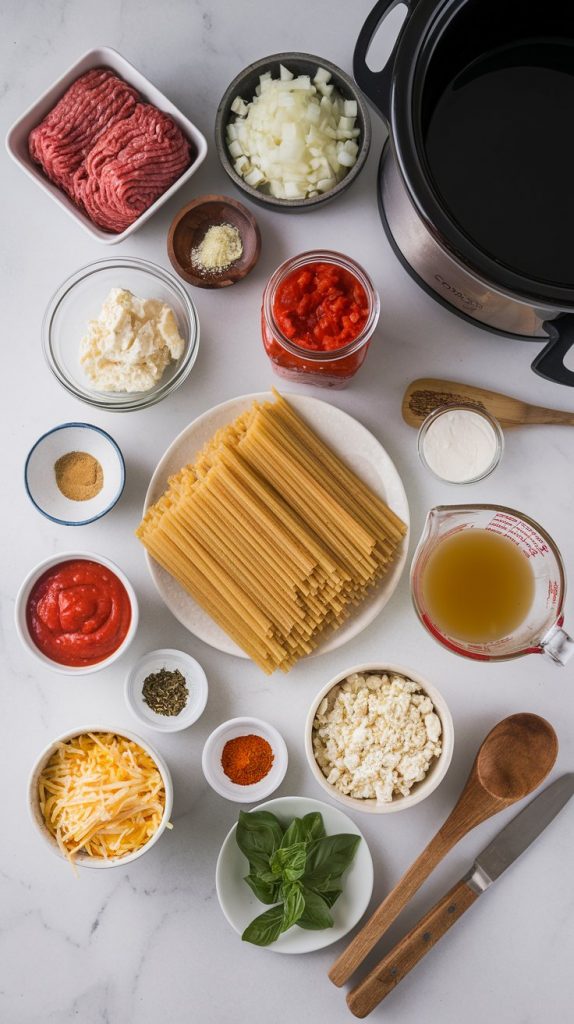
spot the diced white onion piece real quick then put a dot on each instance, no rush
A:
(239, 106)
(231, 132)
(325, 90)
(346, 159)
(284, 73)
(266, 75)
(254, 177)
(322, 75)
(350, 108)
(235, 148)
(346, 123)
(325, 184)
(302, 82)
(241, 165)
(351, 147)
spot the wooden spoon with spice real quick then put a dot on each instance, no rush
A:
(426, 394)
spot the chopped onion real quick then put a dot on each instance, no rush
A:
(295, 138)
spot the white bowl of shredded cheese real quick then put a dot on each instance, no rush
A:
(379, 738)
(125, 813)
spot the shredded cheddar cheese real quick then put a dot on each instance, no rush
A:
(101, 794)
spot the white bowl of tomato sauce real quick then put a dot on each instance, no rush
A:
(76, 612)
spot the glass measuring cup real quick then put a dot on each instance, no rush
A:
(541, 631)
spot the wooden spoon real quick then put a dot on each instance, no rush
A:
(428, 393)
(512, 761)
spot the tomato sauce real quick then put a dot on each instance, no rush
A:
(78, 613)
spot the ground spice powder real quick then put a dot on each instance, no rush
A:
(79, 476)
(247, 759)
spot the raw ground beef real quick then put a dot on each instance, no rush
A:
(111, 153)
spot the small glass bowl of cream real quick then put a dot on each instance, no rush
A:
(460, 444)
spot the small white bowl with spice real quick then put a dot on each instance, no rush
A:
(74, 474)
(166, 690)
(245, 759)
(460, 444)
(379, 738)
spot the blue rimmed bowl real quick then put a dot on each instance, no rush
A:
(40, 476)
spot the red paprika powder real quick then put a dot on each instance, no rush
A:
(247, 759)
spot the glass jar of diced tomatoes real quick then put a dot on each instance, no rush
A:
(319, 313)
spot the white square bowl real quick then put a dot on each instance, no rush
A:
(102, 56)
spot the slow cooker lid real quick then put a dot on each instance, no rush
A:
(443, 33)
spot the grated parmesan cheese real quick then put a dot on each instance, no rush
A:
(101, 794)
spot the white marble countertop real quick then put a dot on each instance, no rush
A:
(149, 942)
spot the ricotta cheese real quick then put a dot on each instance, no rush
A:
(130, 344)
(375, 736)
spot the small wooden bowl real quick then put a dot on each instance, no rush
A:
(189, 227)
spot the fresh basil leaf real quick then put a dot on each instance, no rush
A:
(329, 857)
(296, 833)
(313, 826)
(330, 896)
(316, 914)
(264, 929)
(289, 862)
(266, 892)
(294, 905)
(258, 835)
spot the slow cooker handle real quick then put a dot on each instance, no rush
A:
(549, 363)
(377, 84)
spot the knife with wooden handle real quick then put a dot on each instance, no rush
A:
(488, 866)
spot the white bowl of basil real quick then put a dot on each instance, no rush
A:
(317, 887)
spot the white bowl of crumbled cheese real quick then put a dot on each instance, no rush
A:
(379, 738)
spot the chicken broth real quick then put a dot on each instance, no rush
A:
(477, 586)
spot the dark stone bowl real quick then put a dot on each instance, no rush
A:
(244, 85)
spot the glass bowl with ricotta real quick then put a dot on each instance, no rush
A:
(379, 738)
(121, 334)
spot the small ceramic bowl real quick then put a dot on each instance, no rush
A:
(195, 680)
(213, 769)
(437, 770)
(189, 227)
(80, 299)
(82, 859)
(40, 477)
(244, 85)
(22, 601)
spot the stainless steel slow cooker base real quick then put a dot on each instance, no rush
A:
(430, 291)
(451, 284)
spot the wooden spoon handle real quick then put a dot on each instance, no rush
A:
(407, 953)
(389, 909)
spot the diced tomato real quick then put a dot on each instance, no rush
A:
(321, 307)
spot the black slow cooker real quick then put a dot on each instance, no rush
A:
(476, 186)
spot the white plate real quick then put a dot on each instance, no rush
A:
(240, 905)
(350, 440)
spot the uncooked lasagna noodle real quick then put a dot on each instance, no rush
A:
(272, 534)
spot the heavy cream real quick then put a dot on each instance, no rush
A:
(459, 445)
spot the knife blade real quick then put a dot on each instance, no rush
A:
(520, 832)
(508, 845)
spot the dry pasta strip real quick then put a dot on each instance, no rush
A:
(272, 534)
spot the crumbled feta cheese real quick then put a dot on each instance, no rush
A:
(375, 736)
